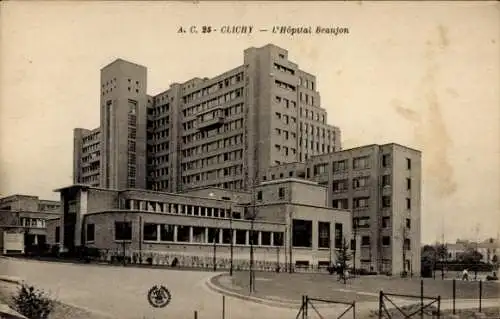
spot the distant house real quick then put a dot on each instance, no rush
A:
(23, 222)
(488, 249)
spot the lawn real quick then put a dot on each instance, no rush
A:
(363, 288)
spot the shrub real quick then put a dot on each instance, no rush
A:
(33, 303)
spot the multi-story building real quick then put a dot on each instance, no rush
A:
(380, 185)
(218, 132)
(261, 121)
(287, 227)
(23, 222)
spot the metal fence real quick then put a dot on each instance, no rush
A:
(308, 302)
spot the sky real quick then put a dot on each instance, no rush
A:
(423, 74)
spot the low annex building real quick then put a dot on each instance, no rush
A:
(290, 220)
(23, 222)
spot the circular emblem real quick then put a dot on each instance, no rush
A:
(159, 296)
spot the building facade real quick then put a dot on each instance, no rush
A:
(380, 185)
(287, 228)
(23, 222)
(217, 132)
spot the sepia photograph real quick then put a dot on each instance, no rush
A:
(253, 159)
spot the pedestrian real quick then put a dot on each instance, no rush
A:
(465, 275)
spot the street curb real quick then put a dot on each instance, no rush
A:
(268, 302)
(12, 280)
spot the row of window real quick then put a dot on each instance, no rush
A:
(158, 148)
(91, 148)
(302, 234)
(160, 109)
(214, 102)
(32, 222)
(184, 209)
(161, 122)
(214, 160)
(231, 171)
(284, 85)
(159, 135)
(235, 79)
(213, 146)
(364, 222)
(201, 135)
(386, 242)
(309, 84)
(283, 69)
(91, 179)
(91, 157)
(283, 150)
(307, 99)
(363, 202)
(90, 168)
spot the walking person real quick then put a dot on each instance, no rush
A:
(465, 275)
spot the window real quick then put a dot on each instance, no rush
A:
(302, 233)
(360, 182)
(408, 183)
(340, 166)
(278, 239)
(408, 203)
(167, 232)
(408, 223)
(408, 163)
(360, 202)
(323, 235)
(407, 244)
(386, 180)
(385, 222)
(361, 222)
(386, 160)
(338, 235)
(58, 234)
(339, 186)
(123, 230)
(259, 195)
(281, 193)
(360, 162)
(265, 238)
(386, 241)
(90, 233)
(240, 237)
(386, 201)
(365, 241)
(340, 203)
(150, 231)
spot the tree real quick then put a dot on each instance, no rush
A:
(441, 252)
(471, 256)
(33, 303)
(343, 254)
(494, 259)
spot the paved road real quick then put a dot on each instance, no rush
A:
(121, 292)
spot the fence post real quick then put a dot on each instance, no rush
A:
(454, 294)
(303, 307)
(223, 307)
(421, 298)
(195, 314)
(306, 314)
(380, 303)
(480, 293)
(354, 310)
(439, 307)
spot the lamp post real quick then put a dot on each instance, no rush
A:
(355, 231)
(216, 233)
(231, 231)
